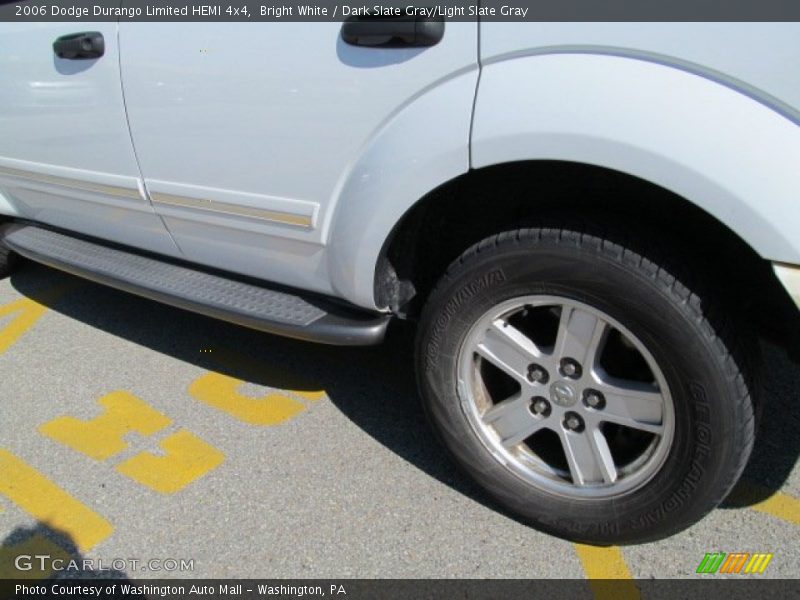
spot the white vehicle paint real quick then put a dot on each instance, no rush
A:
(690, 135)
(66, 156)
(581, 218)
(280, 152)
(248, 172)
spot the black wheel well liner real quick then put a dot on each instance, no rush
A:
(483, 202)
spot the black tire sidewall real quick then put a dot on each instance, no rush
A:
(699, 468)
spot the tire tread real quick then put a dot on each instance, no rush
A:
(674, 279)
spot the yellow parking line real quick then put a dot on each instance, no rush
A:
(609, 578)
(221, 391)
(281, 380)
(104, 435)
(49, 504)
(782, 506)
(29, 311)
(186, 458)
(183, 459)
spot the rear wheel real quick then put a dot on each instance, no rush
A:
(584, 386)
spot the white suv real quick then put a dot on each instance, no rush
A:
(583, 218)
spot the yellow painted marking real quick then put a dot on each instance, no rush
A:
(29, 312)
(49, 504)
(257, 370)
(609, 578)
(187, 459)
(221, 392)
(782, 506)
(776, 504)
(35, 545)
(104, 436)
(309, 394)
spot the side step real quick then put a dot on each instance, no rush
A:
(308, 318)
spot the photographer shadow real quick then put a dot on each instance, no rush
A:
(43, 552)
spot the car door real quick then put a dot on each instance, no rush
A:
(245, 133)
(66, 157)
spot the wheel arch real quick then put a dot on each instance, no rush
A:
(721, 158)
(468, 208)
(709, 164)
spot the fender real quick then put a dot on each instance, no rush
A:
(423, 146)
(726, 152)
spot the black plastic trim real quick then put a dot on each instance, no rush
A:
(339, 325)
(393, 31)
(80, 46)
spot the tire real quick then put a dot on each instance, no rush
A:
(8, 260)
(662, 391)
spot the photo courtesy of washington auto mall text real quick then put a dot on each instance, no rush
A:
(75, 590)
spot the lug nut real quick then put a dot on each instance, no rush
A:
(594, 399)
(537, 374)
(573, 422)
(570, 368)
(540, 407)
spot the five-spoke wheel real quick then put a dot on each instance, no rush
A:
(536, 374)
(585, 386)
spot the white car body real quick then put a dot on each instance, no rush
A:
(278, 151)
(590, 223)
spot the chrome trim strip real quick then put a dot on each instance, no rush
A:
(78, 184)
(274, 216)
(162, 198)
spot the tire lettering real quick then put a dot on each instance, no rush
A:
(450, 309)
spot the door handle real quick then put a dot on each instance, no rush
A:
(80, 46)
(393, 32)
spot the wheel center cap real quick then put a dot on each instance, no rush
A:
(563, 394)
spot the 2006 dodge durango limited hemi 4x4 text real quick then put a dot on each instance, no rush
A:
(590, 224)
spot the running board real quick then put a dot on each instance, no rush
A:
(308, 317)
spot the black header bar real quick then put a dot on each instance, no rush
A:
(453, 10)
(740, 588)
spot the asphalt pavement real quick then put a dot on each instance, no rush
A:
(165, 444)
